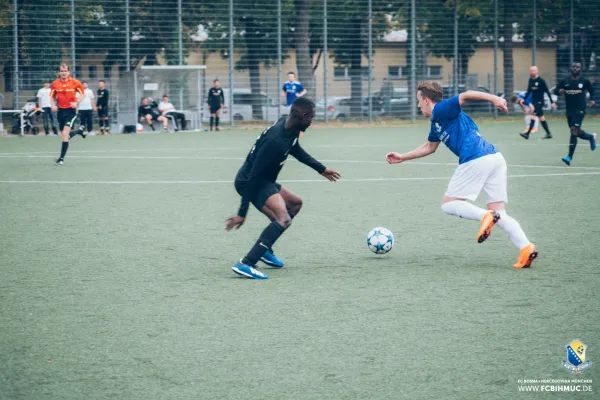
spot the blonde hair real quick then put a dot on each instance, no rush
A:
(431, 90)
(64, 65)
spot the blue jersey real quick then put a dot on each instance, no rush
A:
(292, 90)
(528, 100)
(458, 132)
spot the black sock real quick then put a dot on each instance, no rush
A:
(267, 239)
(572, 145)
(212, 121)
(584, 135)
(545, 125)
(217, 122)
(531, 125)
(63, 150)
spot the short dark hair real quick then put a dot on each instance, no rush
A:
(292, 72)
(300, 106)
(216, 80)
(514, 98)
(165, 95)
(431, 90)
(82, 82)
(102, 80)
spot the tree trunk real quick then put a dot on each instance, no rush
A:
(303, 59)
(355, 72)
(507, 58)
(254, 50)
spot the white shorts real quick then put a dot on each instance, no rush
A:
(487, 173)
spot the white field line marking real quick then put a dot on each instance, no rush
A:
(116, 157)
(230, 182)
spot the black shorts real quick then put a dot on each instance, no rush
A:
(576, 119)
(265, 190)
(538, 109)
(66, 116)
(214, 109)
(103, 112)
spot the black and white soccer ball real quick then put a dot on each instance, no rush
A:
(380, 240)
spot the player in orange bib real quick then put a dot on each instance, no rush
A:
(63, 95)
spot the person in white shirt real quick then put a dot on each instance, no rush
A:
(43, 96)
(168, 110)
(86, 108)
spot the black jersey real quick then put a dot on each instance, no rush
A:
(146, 109)
(267, 157)
(575, 93)
(538, 87)
(215, 97)
(102, 98)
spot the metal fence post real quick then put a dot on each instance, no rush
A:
(370, 70)
(278, 59)
(413, 67)
(73, 38)
(325, 55)
(16, 57)
(180, 50)
(571, 35)
(534, 34)
(496, 55)
(127, 36)
(231, 62)
(455, 66)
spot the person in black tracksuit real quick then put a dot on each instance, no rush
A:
(256, 183)
(574, 88)
(102, 106)
(537, 86)
(216, 101)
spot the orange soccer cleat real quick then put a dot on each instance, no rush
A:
(528, 254)
(487, 222)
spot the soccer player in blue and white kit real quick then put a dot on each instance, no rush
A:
(292, 89)
(481, 166)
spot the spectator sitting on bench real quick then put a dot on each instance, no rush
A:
(146, 112)
(168, 110)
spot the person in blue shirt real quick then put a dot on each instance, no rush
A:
(292, 89)
(481, 167)
(528, 110)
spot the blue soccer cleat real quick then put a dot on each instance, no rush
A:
(593, 142)
(248, 271)
(271, 260)
(567, 160)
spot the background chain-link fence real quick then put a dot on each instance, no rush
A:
(357, 58)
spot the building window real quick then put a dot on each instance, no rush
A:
(344, 74)
(92, 72)
(434, 71)
(397, 72)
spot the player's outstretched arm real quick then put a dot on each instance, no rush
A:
(422, 151)
(470, 95)
(301, 155)
(234, 222)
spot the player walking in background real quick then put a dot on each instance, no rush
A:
(256, 183)
(528, 109)
(292, 90)
(64, 90)
(86, 108)
(102, 105)
(216, 101)
(537, 86)
(481, 166)
(574, 88)
(45, 103)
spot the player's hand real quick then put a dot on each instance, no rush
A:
(521, 102)
(99, 107)
(234, 222)
(73, 104)
(53, 109)
(500, 104)
(394, 158)
(331, 174)
(95, 109)
(561, 91)
(592, 104)
(553, 106)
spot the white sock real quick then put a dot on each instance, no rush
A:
(510, 225)
(463, 209)
(527, 120)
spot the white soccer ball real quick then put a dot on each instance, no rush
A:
(380, 240)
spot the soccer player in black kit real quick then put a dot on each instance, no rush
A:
(538, 87)
(574, 88)
(256, 183)
(215, 101)
(102, 105)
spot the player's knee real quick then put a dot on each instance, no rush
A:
(575, 131)
(295, 207)
(285, 221)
